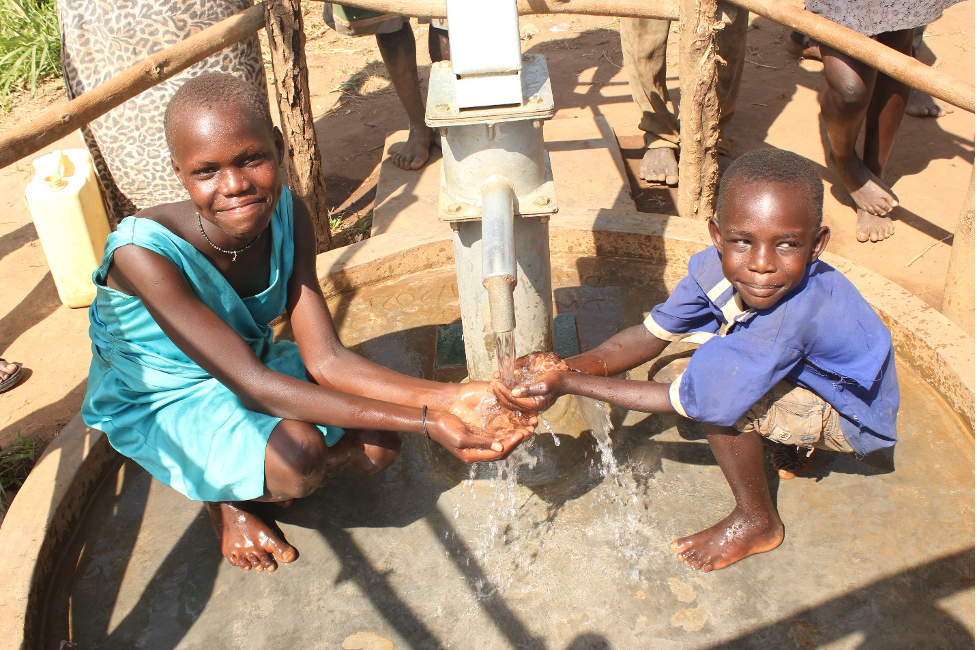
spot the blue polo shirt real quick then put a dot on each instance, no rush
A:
(823, 336)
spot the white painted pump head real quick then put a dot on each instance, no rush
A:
(485, 53)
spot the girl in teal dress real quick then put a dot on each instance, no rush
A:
(185, 377)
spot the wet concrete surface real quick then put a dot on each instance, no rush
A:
(875, 556)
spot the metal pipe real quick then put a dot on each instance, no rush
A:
(499, 252)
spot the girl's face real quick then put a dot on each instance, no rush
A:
(230, 167)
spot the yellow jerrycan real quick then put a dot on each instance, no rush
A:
(66, 205)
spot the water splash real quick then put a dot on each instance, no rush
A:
(514, 523)
(623, 518)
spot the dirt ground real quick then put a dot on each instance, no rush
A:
(355, 108)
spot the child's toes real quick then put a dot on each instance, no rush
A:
(267, 562)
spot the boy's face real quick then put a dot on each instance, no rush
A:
(230, 167)
(766, 240)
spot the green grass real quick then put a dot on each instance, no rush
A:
(16, 462)
(29, 46)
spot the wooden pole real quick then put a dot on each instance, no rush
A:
(958, 294)
(286, 40)
(53, 124)
(698, 170)
(884, 59)
(663, 9)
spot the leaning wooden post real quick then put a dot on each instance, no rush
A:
(698, 171)
(958, 294)
(286, 40)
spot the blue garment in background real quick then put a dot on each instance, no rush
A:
(159, 407)
(823, 336)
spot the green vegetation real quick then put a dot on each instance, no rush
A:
(16, 462)
(29, 46)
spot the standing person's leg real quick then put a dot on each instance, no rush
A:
(399, 54)
(754, 526)
(438, 45)
(844, 105)
(920, 104)
(886, 108)
(882, 120)
(731, 43)
(643, 43)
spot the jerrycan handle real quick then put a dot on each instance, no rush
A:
(55, 180)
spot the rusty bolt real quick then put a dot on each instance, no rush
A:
(443, 108)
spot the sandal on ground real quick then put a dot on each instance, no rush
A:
(13, 379)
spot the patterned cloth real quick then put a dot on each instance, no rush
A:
(102, 38)
(879, 16)
(155, 404)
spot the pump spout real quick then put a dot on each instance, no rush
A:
(498, 252)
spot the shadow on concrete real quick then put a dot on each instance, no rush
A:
(914, 622)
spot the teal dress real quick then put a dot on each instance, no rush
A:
(155, 404)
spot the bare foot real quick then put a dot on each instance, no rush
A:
(415, 152)
(659, 166)
(866, 189)
(246, 540)
(790, 461)
(732, 539)
(873, 227)
(800, 45)
(922, 105)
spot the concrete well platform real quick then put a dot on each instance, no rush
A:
(876, 556)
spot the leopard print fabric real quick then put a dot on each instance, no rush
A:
(874, 17)
(102, 38)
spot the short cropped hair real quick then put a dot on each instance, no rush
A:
(210, 90)
(775, 166)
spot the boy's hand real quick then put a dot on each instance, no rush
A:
(528, 370)
(547, 387)
(524, 404)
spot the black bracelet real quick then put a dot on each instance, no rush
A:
(424, 422)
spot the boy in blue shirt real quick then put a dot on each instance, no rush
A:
(789, 351)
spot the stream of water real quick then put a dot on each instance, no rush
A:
(505, 356)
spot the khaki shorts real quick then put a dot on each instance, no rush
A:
(350, 21)
(792, 415)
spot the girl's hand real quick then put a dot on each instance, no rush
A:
(453, 434)
(477, 406)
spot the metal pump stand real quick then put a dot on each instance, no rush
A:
(497, 188)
